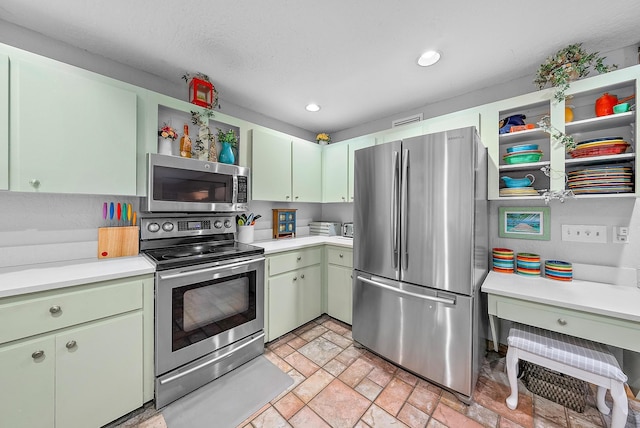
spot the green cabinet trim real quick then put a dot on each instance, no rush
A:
(4, 122)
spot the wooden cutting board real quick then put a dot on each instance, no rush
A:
(118, 241)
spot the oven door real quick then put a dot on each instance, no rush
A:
(201, 309)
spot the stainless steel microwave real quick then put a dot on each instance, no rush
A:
(177, 185)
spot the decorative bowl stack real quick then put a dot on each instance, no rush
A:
(528, 264)
(503, 260)
(524, 153)
(558, 270)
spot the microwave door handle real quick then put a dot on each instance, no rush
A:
(394, 211)
(211, 269)
(404, 196)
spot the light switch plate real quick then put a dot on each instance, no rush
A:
(584, 233)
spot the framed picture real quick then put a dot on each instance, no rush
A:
(524, 222)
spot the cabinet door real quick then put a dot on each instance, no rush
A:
(356, 144)
(4, 122)
(270, 167)
(283, 304)
(99, 372)
(70, 133)
(310, 293)
(339, 293)
(334, 173)
(27, 384)
(306, 163)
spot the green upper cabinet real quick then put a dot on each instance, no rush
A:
(70, 131)
(356, 144)
(306, 163)
(270, 167)
(4, 122)
(285, 169)
(335, 159)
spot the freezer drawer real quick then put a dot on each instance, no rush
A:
(425, 331)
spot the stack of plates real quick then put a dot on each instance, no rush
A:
(600, 147)
(558, 270)
(524, 156)
(519, 191)
(601, 179)
(503, 260)
(528, 264)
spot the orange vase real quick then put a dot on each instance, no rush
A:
(604, 104)
(185, 143)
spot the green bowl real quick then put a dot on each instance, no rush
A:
(523, 158)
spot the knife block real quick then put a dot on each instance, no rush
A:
(118, 241)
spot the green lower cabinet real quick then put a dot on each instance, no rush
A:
(97, 364)
(294, 298)
(339, 283)
(27, 380)
(339, 293)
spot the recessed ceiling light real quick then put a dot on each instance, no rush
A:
(312, 107)
(428, 58)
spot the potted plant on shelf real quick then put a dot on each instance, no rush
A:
(228, 140)
(166, 135)
(323, 138)
(567, 65)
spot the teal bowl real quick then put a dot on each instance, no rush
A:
(522, 158)
(522, 148)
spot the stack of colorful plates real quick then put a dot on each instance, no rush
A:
(601, 179)
(599, 147)
(519, 191)
(524, 156)
(503, 260)
(528, 264)
(558, 270)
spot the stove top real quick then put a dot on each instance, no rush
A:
(172, 242)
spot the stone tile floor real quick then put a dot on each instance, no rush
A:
(338, 385)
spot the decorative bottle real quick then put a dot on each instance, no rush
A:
(185, 143)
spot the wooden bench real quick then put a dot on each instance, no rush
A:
(580, 358)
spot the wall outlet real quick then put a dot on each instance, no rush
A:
(621, 234)
(584, 233)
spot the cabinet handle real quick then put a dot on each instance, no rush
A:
(295, 278)
(55, 309)
(287, 197)
(562, 322)
(344, 199)
(297, 197)
(34, 182)
(299, 258)
(352, 197)
(351, 276)
(37, 354)
(302, 276)
(341, 255)
(71, 344)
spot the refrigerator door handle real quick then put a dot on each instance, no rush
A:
(405, 209)
(394, 210)
(407, 293)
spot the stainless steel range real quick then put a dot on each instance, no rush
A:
(209, 300)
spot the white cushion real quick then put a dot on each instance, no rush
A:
(572, 351)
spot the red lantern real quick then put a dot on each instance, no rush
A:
(201, 92)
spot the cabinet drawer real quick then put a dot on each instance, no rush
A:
(47, 311)
(294, 260)
(600, 328)
(340, 256)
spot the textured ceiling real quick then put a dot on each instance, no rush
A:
(356, 58)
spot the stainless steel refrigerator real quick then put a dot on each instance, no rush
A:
(421, 254)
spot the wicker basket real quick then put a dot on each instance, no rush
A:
(558, 387)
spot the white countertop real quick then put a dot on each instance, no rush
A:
(48, 276)
(619, 301)
(287, 244)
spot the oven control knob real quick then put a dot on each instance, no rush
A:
(153, 227)
(217, 224)
(167, 226)
(227, 224)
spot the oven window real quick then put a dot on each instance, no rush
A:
(209, 308)
(178, 185)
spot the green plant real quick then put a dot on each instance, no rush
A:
(323, 136)
(567, 65)
(227, 137)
